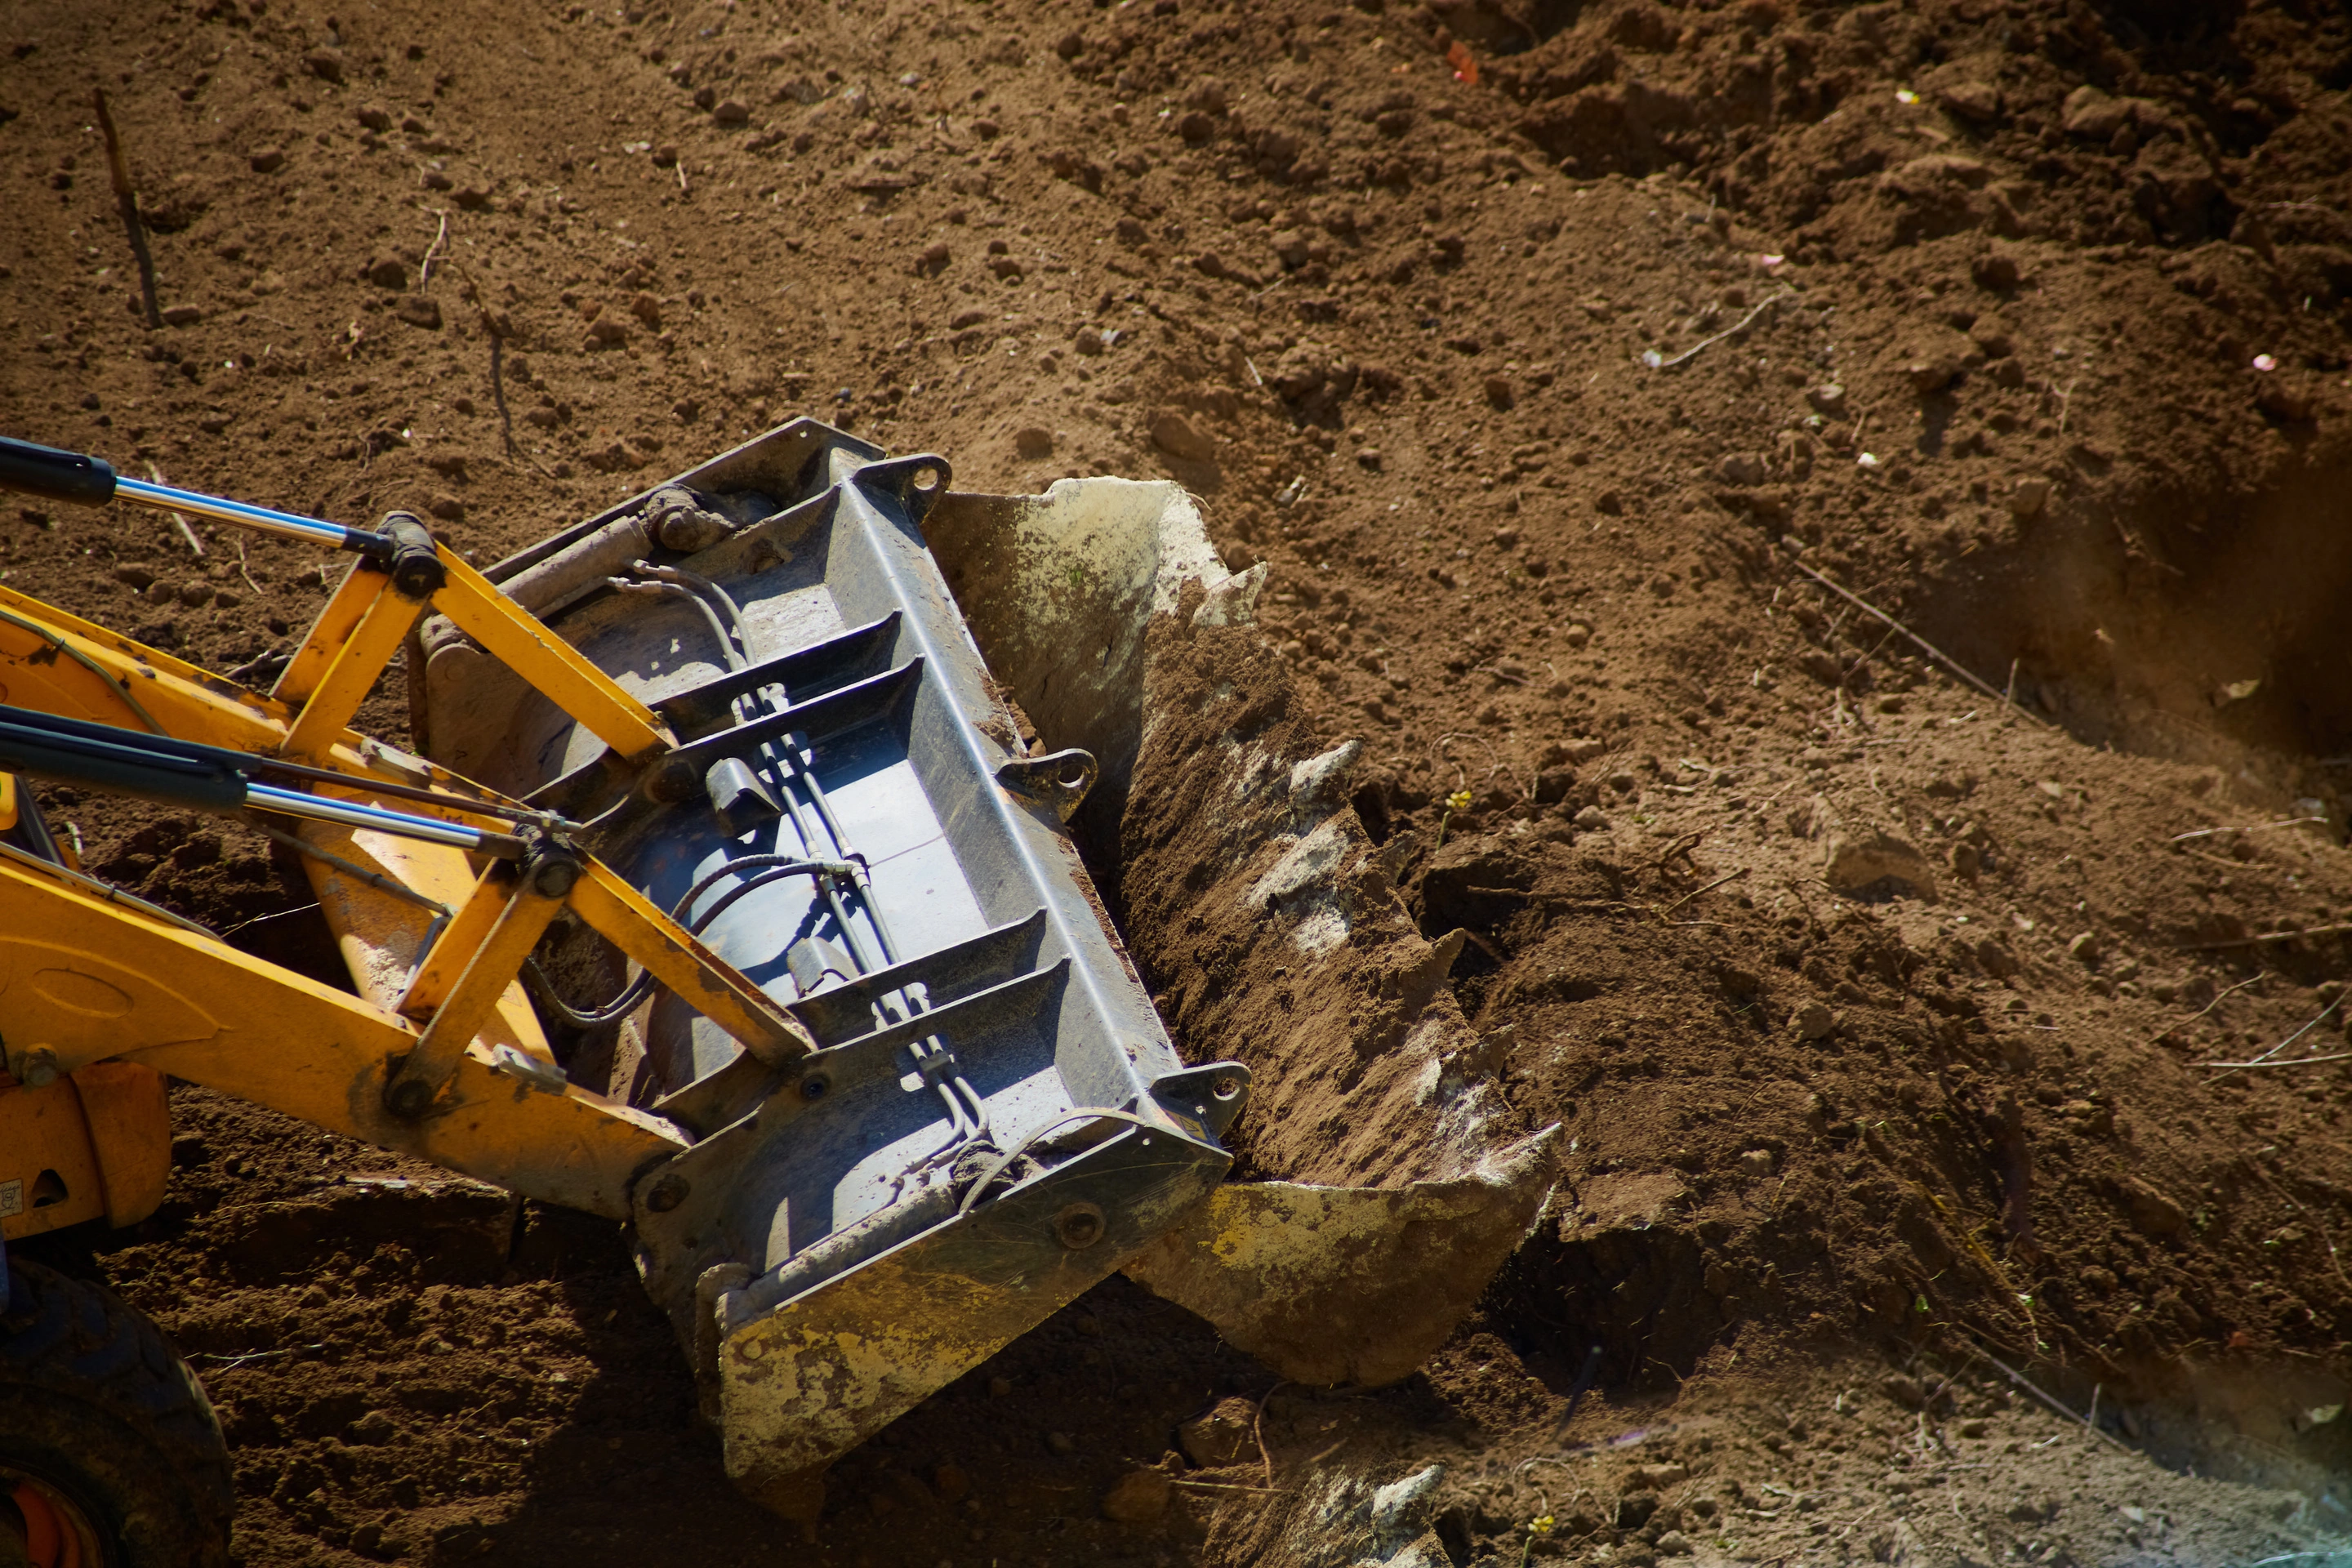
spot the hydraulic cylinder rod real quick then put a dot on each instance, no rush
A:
(78, 479)
(205, 778)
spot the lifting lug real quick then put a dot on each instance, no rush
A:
(1057, 781)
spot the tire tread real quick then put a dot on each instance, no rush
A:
(73, 1340)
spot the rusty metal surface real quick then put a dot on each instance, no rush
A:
(1349, 1285)
(805, 1382)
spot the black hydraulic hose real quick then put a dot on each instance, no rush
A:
(619, 1007)
(760, 879)
(770, 868)
(703, 588)
(786, 863)
(674, 590)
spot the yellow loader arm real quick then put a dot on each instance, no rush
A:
(436, 887)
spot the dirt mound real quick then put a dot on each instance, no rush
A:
(1555, 359)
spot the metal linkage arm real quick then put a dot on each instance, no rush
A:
(675, 956)
(211, 778)
(515, 637)
(481, 953)
(198, 1009)
(483, 950)
(403, 571)
(171, 498)
(406, 825)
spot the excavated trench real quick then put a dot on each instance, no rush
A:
(2209, 640)
(2200, 627)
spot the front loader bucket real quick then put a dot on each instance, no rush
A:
(907, 1097)
(995, 1119)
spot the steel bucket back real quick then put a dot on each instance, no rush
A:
(995, 1118)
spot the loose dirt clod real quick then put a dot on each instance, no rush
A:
(1140, 1496)
(1223, 1435)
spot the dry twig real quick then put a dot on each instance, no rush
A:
(2209, 1006)
(1733, 331)
(1711, 887)
(126, 199)
(2254, 827)
(2265, 1058)
(1930, 649)
(424, 268)
(2262, 1176)
(1257, 1434)
(496, 327)
(2261, 939)
(2268, 1062)
(2034, 1388)
(1680, 849)
(233, 1361)
(187, 531)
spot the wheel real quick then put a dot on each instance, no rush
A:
(111, 1456)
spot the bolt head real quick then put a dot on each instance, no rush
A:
(408, 1100)
(554, 876)
(1079, 1226)
(669, 1193)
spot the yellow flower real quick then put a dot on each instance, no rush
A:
(1459, 801)
(1540, 1525)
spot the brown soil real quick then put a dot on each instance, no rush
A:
(1875, 1001)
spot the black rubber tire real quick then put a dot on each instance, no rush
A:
(94, 1401)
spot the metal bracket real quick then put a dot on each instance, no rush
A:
(1058, 780)
(914, 482)
(409, 556)
(932, 1065)
(1214, 1093)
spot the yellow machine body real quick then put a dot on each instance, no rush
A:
(100, 996)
